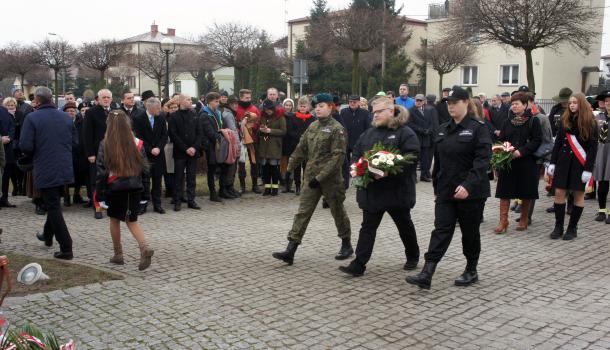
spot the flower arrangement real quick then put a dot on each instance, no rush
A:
(378, 163)
(502, 156)
(29, 338)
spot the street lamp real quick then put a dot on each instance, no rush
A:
(63, 76)
(168, 47)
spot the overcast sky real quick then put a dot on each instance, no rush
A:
(120, 19)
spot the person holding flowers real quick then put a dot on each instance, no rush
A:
(521, 134)
(459, 177)
(393, 145)
(572, 162)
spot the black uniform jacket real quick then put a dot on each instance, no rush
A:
(461, 157)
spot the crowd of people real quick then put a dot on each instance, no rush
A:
(124, 156)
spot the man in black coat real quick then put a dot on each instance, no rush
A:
(7, 137)
(150, 127)
(394, 194)
(423, 122)
(186, 134)
(357, 121)
(441, 108)
(128, 105)
(94, 130)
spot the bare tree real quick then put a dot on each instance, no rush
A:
(56, 55)
(101, 55)
(152, 63)
(528, 24)
(361, 29)
(231, 45)
(197, 61)
(21, 60)
(445, 55)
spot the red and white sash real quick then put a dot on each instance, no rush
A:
(577, 148)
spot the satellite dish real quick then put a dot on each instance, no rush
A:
(31, 273)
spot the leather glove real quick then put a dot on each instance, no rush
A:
(551, 170)
(586, 176)
(313, 183)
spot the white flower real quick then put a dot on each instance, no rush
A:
(353, 173)
(375, 162)
(399, 157)
(391, 156)
(390, 162)
(383, 158)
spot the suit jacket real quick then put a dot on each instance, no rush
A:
(94, 129)
(423, 125)
(185, 132)
(155, 137)
(134, 113)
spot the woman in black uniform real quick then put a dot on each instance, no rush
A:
(572, 162)
(462, 156)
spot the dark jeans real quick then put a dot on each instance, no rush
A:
(6, 178)
(212, 169)
(253, 173)
(180, 165)
(446, 214)
(425, 161)
(156, 174)
(368, 232)
(229, 180)
(55, 224)
(271, 174)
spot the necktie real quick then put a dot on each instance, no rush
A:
(152, 122)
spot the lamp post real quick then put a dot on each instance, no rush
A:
(63, 76)
(168, 47)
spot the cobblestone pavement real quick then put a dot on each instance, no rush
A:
(214, 284)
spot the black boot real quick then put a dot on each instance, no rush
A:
(424, 278)
(469, 276)
(411, 264)
(67, 201)
(267, 191)
(346, 249)
(573, 224)
(274, 191)
(560, 215)
(354, 268)
(287, 184)
(255, 188)
(297, 188)
(214, 197)
(287, 256)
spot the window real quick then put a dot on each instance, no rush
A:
(470, 75)
(509, 74)
(131, 81)
(177, 86)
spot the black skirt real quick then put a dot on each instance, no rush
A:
(520, 182)
(123, 205)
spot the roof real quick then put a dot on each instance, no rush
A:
(151, 37)
(335, 13)
(605, 57)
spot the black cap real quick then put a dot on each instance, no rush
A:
(505, 94)
(268, 104)
(147, 94)
(457, 93)
(354, 98)
(523, 88)
(602, 95)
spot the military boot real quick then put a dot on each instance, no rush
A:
(424, 278)
(287, 256)
(469, 276)
(354, 268)
(346, 249)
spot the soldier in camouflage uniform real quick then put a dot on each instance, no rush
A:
(323, 147)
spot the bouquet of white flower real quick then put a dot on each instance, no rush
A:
(378, 163)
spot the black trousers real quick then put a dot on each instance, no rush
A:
(180, 165)
(156, 175)
(446, 215)
(345, 168)
(6, 178)
(368, 232)
(55, 226)
(223, 171)
(298, 172)
(253, 173)
(92, 180)
(425, 161)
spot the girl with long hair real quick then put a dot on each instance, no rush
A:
(122, 174)
(572, 162)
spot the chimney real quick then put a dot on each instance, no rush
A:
(171, 32)
(154, 28)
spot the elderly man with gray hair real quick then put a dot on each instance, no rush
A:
(48, 136)
(150, 127)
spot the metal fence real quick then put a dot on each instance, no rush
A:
(546, 104)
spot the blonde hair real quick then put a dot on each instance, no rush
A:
(8, 100)
(401, 114)
(304, 101)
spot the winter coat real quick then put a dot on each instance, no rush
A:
(7, 128)
(94, 129)
(185, 132)
(270, 145)
(393, 191)
(295, 127)
(424, 125)
(49, 135)
(211, 124)
(155, 137)
(356, 123)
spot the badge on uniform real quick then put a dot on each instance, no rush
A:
(465, 133)
(325, 130)
(391, 137)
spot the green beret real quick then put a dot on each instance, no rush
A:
(319, 98)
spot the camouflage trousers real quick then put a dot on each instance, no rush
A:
(334, 194)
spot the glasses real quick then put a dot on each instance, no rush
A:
(381, 110)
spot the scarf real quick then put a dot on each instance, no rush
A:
(518, 121)
(244, 105)
(302, 116)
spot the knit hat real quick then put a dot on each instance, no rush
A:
(288, 100)
(147, 94)
(268, 104)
